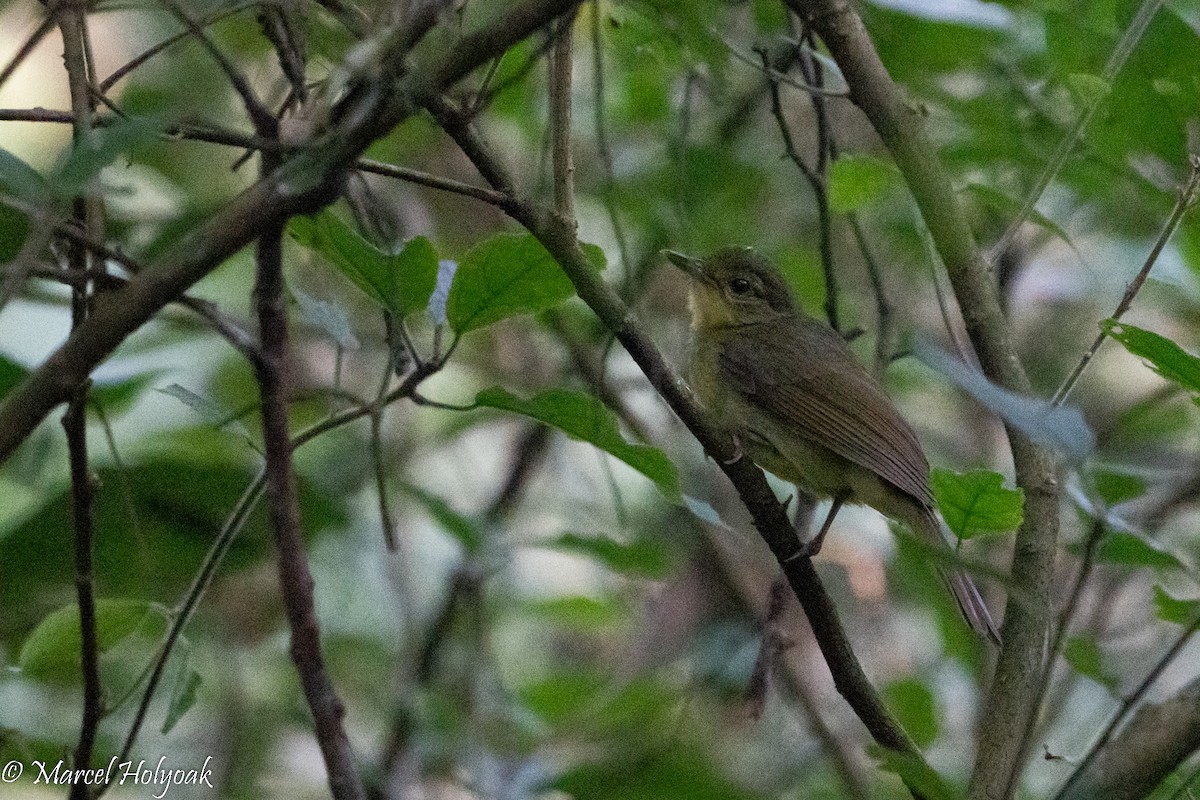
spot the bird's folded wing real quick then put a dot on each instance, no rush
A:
(810, 381)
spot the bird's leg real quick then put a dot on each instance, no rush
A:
(810, 548)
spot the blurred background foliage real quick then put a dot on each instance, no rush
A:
(551, 624)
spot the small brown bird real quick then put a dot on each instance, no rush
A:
(803, 407)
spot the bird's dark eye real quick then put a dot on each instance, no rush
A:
(739, 286)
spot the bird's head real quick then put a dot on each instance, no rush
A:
(734, 286)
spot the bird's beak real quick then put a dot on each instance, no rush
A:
(692, 266)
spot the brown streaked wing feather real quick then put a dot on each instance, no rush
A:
(827, 397)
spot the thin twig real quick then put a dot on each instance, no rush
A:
(206, 310)
(1128, 704)
(1187, 196)
(778, 77)
(817, 181)
(885, 333)
(261, 118)
(491, 196)
(73, 26)
(150, 53)
(1116, 61)
(29, 45)
(561, 63)
(604, 148)
(83, 516)
(377, 459)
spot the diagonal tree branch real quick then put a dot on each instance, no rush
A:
(1027, 620)
(372, 106)
(557, 234)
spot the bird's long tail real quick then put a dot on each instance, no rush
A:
(966, 593)
(970, 603)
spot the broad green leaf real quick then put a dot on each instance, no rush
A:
(859, 181)
(329, 317)
(183, 692)
(1172, 609)
(118, 397)
(506, 275)
(100, 148)
(1088, 90)
(916, 773)
(976, 502)
(913, 704)
(1166, 358)
(669, 773)
(51, 651)
(458, 525)
(1060, 427)
(1125, 548)
(1009, 207)
(14, 229)
(19, 180)
(559, 696)
(11, 374)
(640, 557)
(1084, 656)
(585, 418)
(578, 612)
(399, 283)
(1117, 487)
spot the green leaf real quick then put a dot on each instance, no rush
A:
(557, 697)
(118, 397)
(1166, 358)
(461, 527)
(585, 418)
(329, 317)
(1172, 609)
(916, 773)
(858, 181)
(577, 613)
(670, 773)
(1088, 90)
(11, 374)
(1084, 656)
(1009, 207)
(976, 502)
(1125, 548)
(912, 703)
(19, 180)
(52, 649)
(506, 275)
(183, 694)
(22, 182)
(14, 229)
(1117, 487)
(100, 148)
(639, 557)
(399, 283)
